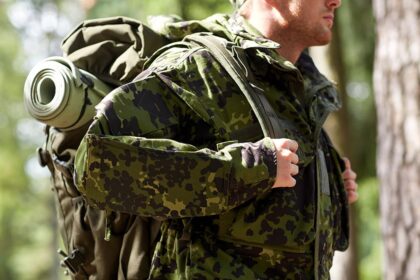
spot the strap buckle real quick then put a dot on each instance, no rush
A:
(73, 261)
(42, 156)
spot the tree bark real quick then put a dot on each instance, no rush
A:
(397, 90)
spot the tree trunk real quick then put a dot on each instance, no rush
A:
(397, 88)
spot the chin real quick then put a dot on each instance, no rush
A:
(323, 40)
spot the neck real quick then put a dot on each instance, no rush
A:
(287, 50)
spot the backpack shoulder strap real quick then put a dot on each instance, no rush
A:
(262, 109)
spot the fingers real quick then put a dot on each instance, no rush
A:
(287, 161)
(292, 182)
(349, 174)
(287, 149)
(347, 163)
(294, 169)
(286, 182)
(289, 155)
(350, 185)
(289, 144)
(285, 171)
(351, 190)
(352, 196)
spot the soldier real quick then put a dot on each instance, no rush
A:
(182, 144)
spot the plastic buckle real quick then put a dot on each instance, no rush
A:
(41, 157)
(73, 261)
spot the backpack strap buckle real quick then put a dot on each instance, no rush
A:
(42, 156)
(73, 261)
(42, 153)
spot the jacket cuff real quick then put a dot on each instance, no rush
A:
(269, 154)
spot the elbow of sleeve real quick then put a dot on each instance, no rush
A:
(84, 184)
(79, 167)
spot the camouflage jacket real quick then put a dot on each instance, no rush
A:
(181, 143)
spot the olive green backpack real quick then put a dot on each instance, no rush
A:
(114, 51)
(101, 245)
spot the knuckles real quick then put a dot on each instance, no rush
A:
(286, 159)
(285, 153)
(350, 185)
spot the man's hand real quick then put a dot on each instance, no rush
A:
(287, 160)
(349, 177)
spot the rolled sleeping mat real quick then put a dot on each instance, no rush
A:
(59, 94)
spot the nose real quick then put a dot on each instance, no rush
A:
(333, 4)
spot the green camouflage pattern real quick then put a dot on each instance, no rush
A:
(180, 143)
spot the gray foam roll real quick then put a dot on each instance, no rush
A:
(59, 94)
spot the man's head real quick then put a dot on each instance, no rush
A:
(298, 23)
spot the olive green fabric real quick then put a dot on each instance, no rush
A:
(82, 227)
(59, 94)
(113, 49)
(263, 111)
(167, 145)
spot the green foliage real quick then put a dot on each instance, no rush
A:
(140, 9)
(193, 9)
(11, 164)
(25, 208)
(370, 244)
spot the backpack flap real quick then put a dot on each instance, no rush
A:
(113, 49)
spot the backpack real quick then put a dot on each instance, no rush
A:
(100, 55)
(119, 42)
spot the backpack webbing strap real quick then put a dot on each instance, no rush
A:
(262, 109)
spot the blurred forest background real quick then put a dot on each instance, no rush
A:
(31, 30)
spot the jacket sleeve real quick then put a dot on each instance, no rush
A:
(129, 161)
